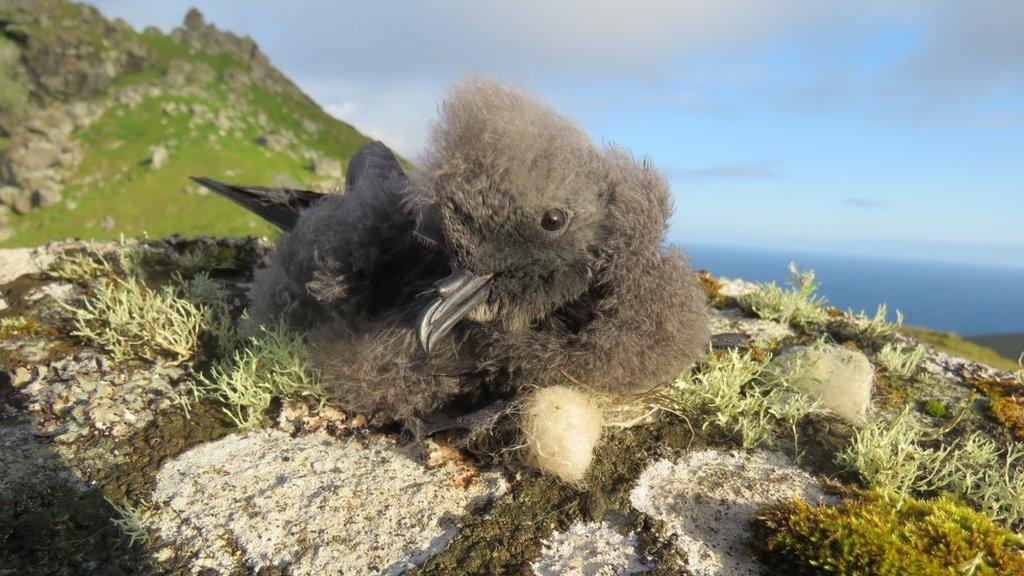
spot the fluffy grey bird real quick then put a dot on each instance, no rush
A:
(517, 256)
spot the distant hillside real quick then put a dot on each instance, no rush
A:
(974, 348)
(1009, 345)
(100, 126)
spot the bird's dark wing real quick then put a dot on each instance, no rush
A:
(279, 206)
(374, 159)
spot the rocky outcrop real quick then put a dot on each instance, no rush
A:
(60, 64)
(70, 51)
(123, 461)
(314, 504)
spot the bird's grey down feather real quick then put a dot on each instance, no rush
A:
(556, 248)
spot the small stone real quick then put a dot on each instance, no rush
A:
(22, 376)
(158, 157)
(15, 262)
(839, 378)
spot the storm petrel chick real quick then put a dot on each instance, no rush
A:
(517, 256)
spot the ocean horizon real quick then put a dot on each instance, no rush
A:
(971, 300)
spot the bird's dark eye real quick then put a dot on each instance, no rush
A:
(554, 220)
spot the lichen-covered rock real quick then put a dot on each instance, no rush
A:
(707, 499)
(590, 549)
(314, 504)
(841, 379)
(15, 262)
(317, 493)
(733, 321)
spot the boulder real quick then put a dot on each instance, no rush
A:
(314, 504)
(327, 168)
(841, 379)
(19, 200)
(158, 157)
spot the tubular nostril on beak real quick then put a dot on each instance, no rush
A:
(447, 285)
(455, 297)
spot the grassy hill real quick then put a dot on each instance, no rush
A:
(965, 348)
(1009, 345)
(146, 110)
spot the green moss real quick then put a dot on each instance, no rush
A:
(873, 536)
(1005, 402)
(901, 456)
(899, 360)
(507, 536)
(741, 395)
(934, 408)
(132, 321)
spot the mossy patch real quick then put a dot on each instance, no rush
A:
(1009, 411)
(934, 408)
(872, 535)
(63, 530)
(712, 287)
(506, 537)
(1005, 402)
(143, 452)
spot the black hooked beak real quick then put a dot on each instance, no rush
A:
(457, 296)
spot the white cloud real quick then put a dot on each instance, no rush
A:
(382, 64)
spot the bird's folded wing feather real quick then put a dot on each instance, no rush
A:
(279, 206)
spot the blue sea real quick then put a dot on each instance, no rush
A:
(966, 299)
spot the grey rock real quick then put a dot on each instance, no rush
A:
(706, 500)
(736, 289)
(19, 200)
(158, 157)
(841, 379)
(327, 168)
(734, 322)
(594, 549)
(315, 504)
(15, 262)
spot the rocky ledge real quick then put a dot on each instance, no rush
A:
(139, 435)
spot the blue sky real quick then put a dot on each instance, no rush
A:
(880, 128)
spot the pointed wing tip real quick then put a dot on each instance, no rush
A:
(219, 187)
(203, 180)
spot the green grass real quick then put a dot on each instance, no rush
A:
(1009, 345)
(950, 343)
